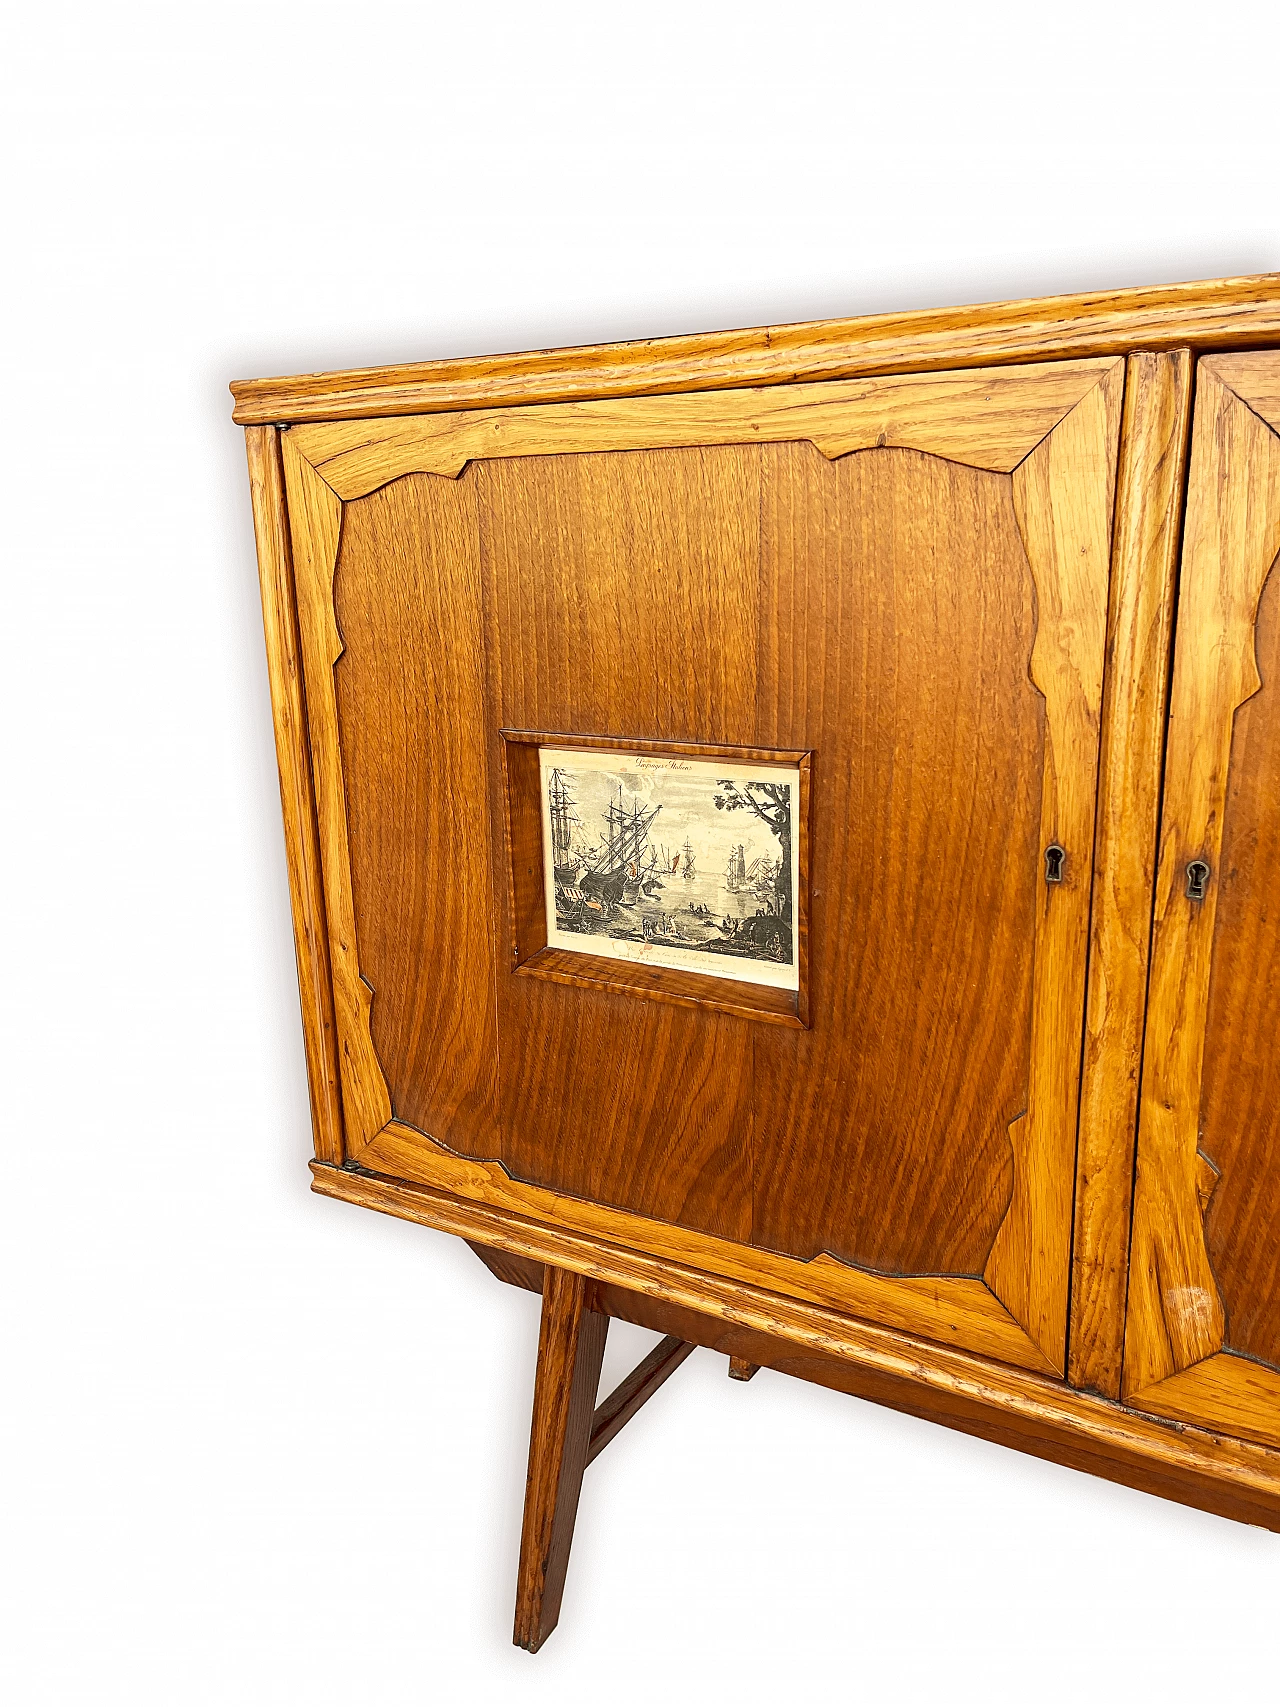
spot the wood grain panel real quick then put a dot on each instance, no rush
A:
(1230, 313)
(302, 849)
(571, 1342)
(985, 420)
(897, 624)
(412, 716)
(1013, 1406)
(960, 1311)
(1143, 581)
(1240, 1107)
(1063, 495)
(622, 598)
(1175, 1316)
(315, 516)
(1224, 1392)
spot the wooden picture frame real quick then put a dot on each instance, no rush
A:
(530, 954)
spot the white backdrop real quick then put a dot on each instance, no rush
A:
(264, 1448)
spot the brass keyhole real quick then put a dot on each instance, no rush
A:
(1055, 862)
(1197, 880)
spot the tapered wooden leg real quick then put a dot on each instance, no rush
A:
(570, 1353)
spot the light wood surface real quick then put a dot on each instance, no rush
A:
(1063, 496)
(1033, 1413)
(953, 1309)
(615, 1412)
(1232, 1394)
(1143, 583)
(664, 547)
(297, 801)
(570, 1353)
(316, 519)
(1175, 1315)
(1232, 313)
(990, 419)
(1240, 1100)
(1191, 1477)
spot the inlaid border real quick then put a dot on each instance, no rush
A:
(1054, 427)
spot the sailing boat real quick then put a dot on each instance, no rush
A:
(736, 876)
(615, 877)
(565, 859)
(687, 870)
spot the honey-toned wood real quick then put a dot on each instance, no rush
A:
(411, 699)
(316, 520)
(664, 984)
(621, 600)
(1231, 1394)
(898, 620)
(1063, 495)
(302, 853)
(950, 864)
(664, 547)
(986, 420)
(1203, 1477)
(1157, 415)
(570, 1353)
(1232, 313)
(1232, 535)
(955, 1310)
(1240, 1104)
(615, 1412)
(1032, 1413)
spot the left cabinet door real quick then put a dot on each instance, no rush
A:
(1202, 1341)
(894, 589)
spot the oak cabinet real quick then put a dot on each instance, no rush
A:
(722, 781)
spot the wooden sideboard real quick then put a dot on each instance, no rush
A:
(956, 1084)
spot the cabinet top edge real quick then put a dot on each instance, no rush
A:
(1212, 314)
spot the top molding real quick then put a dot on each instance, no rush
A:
(1210, 315)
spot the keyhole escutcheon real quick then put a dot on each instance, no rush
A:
(1055, 863)
(1197, 880)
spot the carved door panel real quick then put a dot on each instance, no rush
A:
(900, 583)
(1202, 1340)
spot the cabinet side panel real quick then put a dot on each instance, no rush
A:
(1240, 1111)
(622, 591)
(412, 711)
(897, 625)
(297, 800)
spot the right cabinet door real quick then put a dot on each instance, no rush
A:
(1202, 1341)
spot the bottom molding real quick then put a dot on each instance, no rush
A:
(1012, 1407)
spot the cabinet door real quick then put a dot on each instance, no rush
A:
(1203, 1333)
(902, 583)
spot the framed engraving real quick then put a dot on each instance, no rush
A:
(668, 860)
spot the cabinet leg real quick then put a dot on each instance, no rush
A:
(570, 1353)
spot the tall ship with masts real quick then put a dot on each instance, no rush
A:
(688, 870)
(566, 859)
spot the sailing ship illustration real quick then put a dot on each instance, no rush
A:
(616, 883)
(617, 872)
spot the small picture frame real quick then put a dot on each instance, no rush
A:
(668, 869)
